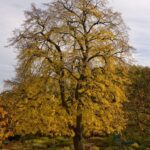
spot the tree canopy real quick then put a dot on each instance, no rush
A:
(72, 59)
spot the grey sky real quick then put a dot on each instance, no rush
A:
(136, 14)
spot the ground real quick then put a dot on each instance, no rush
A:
(61, 143)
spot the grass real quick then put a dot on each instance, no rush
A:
(61, 143)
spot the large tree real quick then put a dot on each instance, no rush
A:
(75, 53)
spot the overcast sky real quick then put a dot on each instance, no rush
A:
(136, 14)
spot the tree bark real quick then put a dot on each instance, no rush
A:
(78, 138)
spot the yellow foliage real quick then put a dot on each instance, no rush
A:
(71, 67)
(4, 125)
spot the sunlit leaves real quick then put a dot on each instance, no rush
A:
(5, 131)
(71, 63)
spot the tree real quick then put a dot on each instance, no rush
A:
(139, 101)
(5, 132)
(78, 50)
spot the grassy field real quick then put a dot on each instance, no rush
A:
(60, 143)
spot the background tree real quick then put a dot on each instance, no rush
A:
(139, 102)
(77, 50)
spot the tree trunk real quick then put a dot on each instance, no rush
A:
(78, 138)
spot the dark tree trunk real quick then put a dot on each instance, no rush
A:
(78, 130)
(78, 138)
